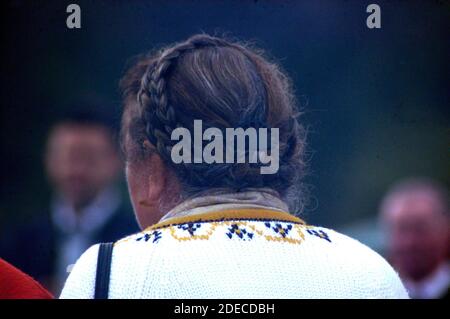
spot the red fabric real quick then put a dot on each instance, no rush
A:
(14, 284)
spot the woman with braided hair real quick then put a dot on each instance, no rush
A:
(220, 228)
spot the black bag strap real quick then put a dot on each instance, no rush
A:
(103, 270)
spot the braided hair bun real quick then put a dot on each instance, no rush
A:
(225, 84)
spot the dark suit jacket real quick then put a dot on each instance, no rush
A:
(33, 247)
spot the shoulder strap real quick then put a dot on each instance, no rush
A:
(103, 270)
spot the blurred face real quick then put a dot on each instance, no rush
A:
(418, 234)
(81, 160)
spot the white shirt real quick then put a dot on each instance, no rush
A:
(78, 229)
(433, 287)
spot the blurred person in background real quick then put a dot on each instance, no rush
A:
(415, 214)
(83, 165)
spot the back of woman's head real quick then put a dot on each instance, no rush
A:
(224, 84)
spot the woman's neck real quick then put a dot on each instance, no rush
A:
(220, 199)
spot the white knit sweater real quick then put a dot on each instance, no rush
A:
(238, 253)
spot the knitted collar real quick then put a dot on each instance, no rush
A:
(257, 214)
(221, 204)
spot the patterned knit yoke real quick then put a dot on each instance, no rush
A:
(238, 253)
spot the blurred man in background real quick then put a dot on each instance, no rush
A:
(83, 165)
(415, 214)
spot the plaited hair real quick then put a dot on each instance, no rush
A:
(226, 85)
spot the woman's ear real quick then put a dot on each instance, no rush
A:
(147, 181)
(157, 179)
